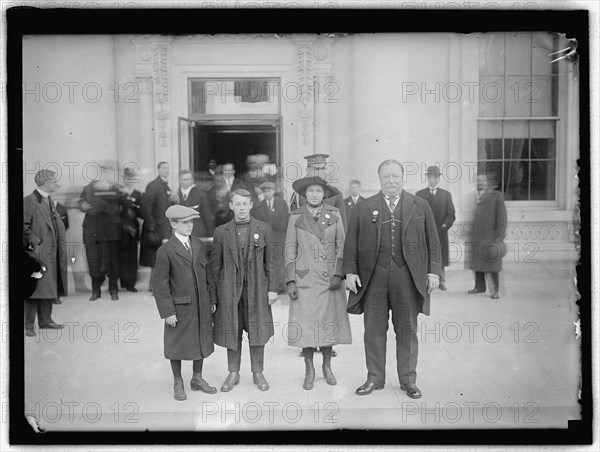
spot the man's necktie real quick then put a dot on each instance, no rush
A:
(187, 247)
(392, 202)
(185, 196)
(432, 192)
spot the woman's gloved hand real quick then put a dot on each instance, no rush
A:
(292, 290)
(336, 282)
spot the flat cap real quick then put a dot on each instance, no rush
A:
(267, 185)
(178, 212)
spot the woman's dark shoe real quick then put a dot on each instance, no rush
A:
(474, 291)
(197, 383)
(178, 391)
(327, 373)
(309, 374)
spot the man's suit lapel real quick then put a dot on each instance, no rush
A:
(378, 204)
(44, 210)
(408, 207)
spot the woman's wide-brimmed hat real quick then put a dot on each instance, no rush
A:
(301, 185)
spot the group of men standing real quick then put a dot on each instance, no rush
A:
(395, 251)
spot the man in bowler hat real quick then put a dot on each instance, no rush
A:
(392, 262)
(184, 293)
(440, 201)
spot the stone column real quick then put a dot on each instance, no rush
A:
(146, 153)
(160, 82)
(304, 44)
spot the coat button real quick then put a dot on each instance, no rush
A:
(325, 274)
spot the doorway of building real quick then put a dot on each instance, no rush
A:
(227, 141)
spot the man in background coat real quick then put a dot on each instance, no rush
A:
(273, 210)
(130, 236)
(485, 245)
(191, 196)
(440, 201)
(156, 230)
(351, 201)
(317, 166)
(44, 240)
(242, 262)
(391, 261)
(102, 201)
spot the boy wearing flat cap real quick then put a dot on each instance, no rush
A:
(274, 211)
(184, 293)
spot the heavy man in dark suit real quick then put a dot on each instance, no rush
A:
(242, 262)
(156, 230)
(440, 201)
(185, 297)
(392, 261)
(44, 240)
(191, 196)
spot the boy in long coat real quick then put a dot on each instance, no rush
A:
(182, 287)
(44, 239)
(440, 201)
(485, 246)
(242, 261)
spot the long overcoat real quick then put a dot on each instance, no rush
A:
(443, 213)
(483, 247)
(181, 285)
(46, 245)
(314, 253)
(228, 278)
(155, 202)
(420, 245)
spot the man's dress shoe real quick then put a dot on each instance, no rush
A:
(368, 388)
(52, 326)
(94, 297)
(495, 295)
(232, 379)
(29, 332)
(114, 296)
(57, 301)
(474, 291)
(259, 380)
(412, 390)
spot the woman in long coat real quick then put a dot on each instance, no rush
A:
(314, 250)
(485, 247)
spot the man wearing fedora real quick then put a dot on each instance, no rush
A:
(184, 292)
(44, 241)
(392, 262)
(274, 211)
(242, 260)
(440, 201)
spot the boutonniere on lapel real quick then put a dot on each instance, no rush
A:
(256, 237)
(350, 203)
(169, 192)
(327, 219)
(375, 213)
